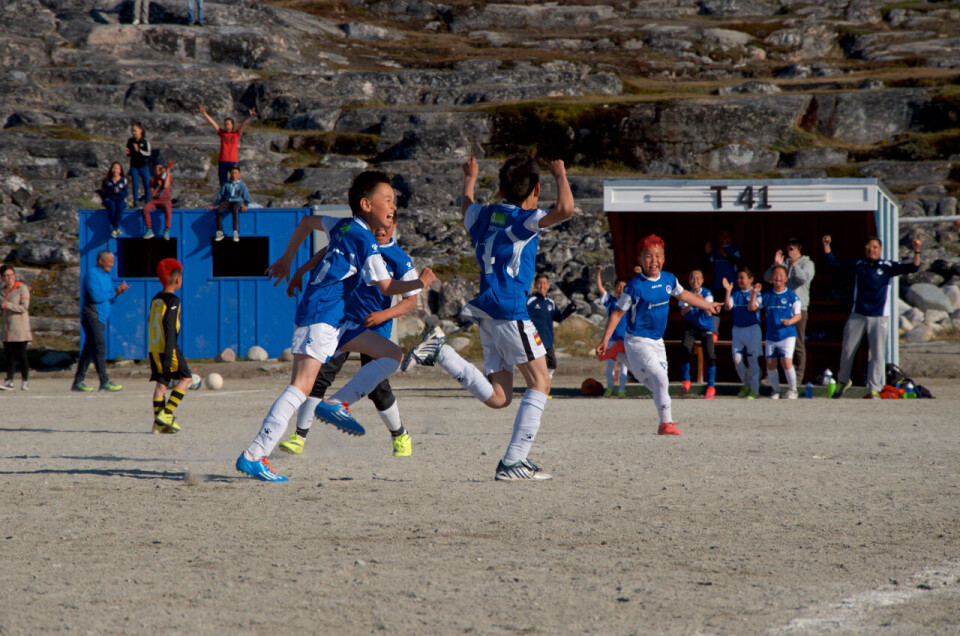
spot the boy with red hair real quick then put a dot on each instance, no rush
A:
(646, 300)
(167, 363)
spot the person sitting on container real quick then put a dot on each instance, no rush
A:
(235, 197)
(160, 187)
(113, 193)
(869, 314)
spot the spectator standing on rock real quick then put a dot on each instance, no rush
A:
(160, 186)
(113, 193)
(229, 141)
(141, 12)
(97, 294)
(15, 326)
(138, 149)
(800, 273)
(869, 315)
(199, 15)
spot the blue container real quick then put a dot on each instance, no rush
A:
(227, 301)
(808, 392)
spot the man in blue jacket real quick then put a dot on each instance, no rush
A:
(543, 313)
(872, 275)
(96, 295)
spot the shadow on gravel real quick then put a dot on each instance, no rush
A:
(136, 473)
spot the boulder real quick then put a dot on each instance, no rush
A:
(906, 173)
(48, 252)
(286, 355)
(459, 343)
(866, 117)
(740, 158)
(368, 32)
(454, 295)
(952, 292)
(935, 316)
(914, 315)
(905, 325)
(257, 353)
(409, 325)
(815, 157)
(227, 355)
(920, 333)
(927, 296)
(761, 88)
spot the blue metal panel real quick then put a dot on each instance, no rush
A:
(217, 312)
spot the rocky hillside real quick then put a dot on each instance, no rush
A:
(654, 87)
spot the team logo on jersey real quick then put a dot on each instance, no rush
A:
(669, 289)
(536, 338)
(499, 219)
(344, 228)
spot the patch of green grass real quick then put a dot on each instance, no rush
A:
(301, 159)
(87, 203)
(798, 139)
(467, 267)
(847, 171)
(61, 131)
(577, 337)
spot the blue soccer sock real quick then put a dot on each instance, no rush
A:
(711, 375)
(685, 371)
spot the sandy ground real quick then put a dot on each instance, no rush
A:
(782, 517)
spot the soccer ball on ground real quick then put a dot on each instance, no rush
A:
(195, 382)
(214, 382)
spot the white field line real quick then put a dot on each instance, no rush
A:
(852, 612)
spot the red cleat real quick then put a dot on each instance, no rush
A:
(716, 336)
(668, 428)
(685, 388)
(711, 393)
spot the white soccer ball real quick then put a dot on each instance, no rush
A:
(195, 382)
(214, 382)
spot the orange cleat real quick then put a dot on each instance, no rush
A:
(685, 388)
(711, 393)
(716, 337)
(668, 428)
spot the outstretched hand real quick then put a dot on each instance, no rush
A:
(727, 284)
(471, 169)
(916, 243)
(778, 258)
(827, 240)
(279, 270)
(715, 308)
(295, 286)
(557, 169)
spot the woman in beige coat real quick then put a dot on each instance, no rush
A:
(15, 326)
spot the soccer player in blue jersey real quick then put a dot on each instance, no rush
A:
(506, 236)
(747, 338)
(352, 258)
(646, 303)
(698, 325)
(372, 310)
(609, 302)
(543, 313)
(781, 307)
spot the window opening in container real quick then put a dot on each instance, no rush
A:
(138, 257)
(250, 256)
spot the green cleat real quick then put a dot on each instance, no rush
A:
(607, 392)
(111, 386)
(744, 391)
(165, 423)
(402, 446)
(293, 444)
(622, 394)
(753, 396)
(80, 387)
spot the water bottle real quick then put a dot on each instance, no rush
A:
(827, 377)
(808, 392)
(831, 387)
(910, 391)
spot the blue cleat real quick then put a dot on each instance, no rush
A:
(260, 469)
(338, 414)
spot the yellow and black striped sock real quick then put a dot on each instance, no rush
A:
(158, 406)
(173, 402)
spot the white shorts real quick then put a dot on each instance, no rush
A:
(748, 341)
(780, 348)
(645, 356)
(508, 342)
(320, 340)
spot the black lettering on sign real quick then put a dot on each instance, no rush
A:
(718, 189)
(762, 197)
(746, 197)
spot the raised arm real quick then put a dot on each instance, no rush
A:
(699, 302)
(470, 172)
(379, 317)
(213, 122)
(728, 300)
(392, 286)
(599, 281)
(563, 210)
(752, 305)
(252, 114)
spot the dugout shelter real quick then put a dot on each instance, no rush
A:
(227, 301)
(762, 214)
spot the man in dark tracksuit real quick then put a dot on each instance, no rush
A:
(872, 276)
(543, 313)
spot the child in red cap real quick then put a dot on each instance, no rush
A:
(167, 363)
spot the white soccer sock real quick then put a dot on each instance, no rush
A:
(659, 385)
(774, 377)
(550, 371)
(623, 376)
(275, 423)
(741, 368)
(391, 418)
(525, 426)
(366, 379)
(610, 368)
(465, 373)
(791, 374)
(305, 414)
